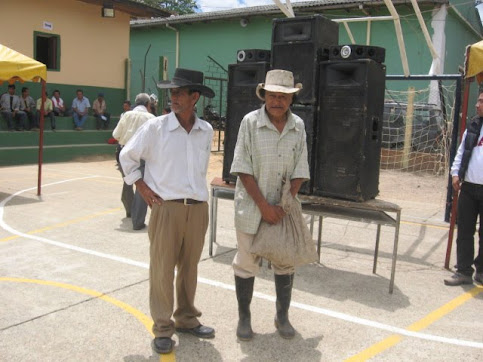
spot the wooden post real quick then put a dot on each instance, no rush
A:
(454, 209)
(408, 135)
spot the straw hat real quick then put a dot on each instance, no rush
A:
(278, 80)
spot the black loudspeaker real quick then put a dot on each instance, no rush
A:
(354, 51)
(309, 116)
(349, 131)
(243, 79)
(298, 44)
(252, 55)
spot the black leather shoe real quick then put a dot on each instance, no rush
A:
(201, 331)
(163, 345)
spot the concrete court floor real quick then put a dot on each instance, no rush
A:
(74, 281)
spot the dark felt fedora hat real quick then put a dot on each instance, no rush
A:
(191, 79)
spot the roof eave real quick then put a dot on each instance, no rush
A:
(133, 8)
(270, 10)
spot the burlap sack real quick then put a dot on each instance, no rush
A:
(289, 242)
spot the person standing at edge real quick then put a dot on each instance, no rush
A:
(271, 144)
(176, 149)
(130, 122)
(467, 177)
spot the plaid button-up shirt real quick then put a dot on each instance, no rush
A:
(269, 156)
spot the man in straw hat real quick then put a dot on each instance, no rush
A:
(176, 150)
(271, 144)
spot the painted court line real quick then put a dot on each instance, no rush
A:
(65, 223)
(323, 311)
(140, 316)
(417, 326)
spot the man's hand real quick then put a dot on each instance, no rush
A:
(456, 183)
(272, 214)
(148, 195)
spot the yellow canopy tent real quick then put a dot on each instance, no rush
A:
(18, 67)
(473, 69)
(15, 66)
(474, 61)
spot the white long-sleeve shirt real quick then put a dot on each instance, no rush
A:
(474, 173)
(130, 123)
(176, 161)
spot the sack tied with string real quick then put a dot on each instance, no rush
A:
(288, 243)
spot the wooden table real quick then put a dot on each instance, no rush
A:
(373, 211)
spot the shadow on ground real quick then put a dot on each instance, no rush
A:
(336, 284)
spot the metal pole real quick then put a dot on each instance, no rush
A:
(41, 140)
(144, 70)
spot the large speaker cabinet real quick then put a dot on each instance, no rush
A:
(349, 129)
(308, 113)
(243, 79)
(298, 44)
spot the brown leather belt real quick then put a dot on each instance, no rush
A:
(187, 201)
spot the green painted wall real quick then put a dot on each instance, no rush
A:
(221, 40)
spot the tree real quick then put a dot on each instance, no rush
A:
(177, 6)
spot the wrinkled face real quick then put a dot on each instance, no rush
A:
(479, 105)
(182, 100)
(277, 103)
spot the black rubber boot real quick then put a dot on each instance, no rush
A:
(244, 293)
(283, 286)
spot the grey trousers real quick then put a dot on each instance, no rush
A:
(139, 208)
(133, 202)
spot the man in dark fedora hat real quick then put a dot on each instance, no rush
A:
(176, 149)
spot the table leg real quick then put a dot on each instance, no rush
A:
(319, 236)
(376, 249)
(394, 252)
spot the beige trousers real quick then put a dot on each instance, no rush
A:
(176, 234)
(245, 264)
